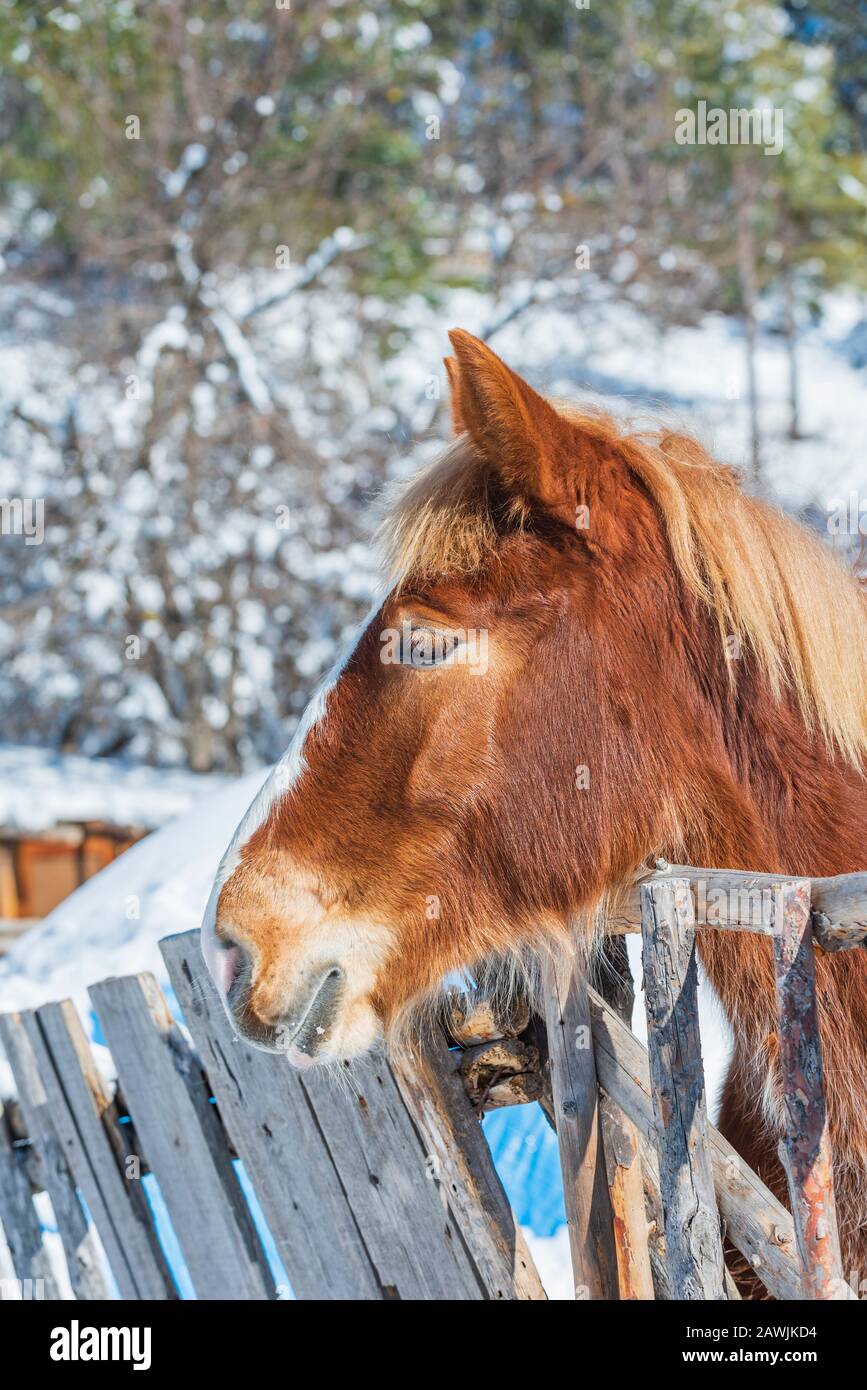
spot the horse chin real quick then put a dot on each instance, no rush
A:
(353, 1033)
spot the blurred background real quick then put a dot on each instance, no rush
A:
(233, 238)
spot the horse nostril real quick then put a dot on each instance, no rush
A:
(230, 962)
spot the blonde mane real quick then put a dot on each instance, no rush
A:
(774, 588)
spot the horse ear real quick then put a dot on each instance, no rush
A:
(453, 372)
(521, 435)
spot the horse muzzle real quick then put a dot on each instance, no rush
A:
(300, 1028)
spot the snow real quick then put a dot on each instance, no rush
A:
(577, 341)
(245, 360)
(551, 1254)
(317, 375)
(40, 788)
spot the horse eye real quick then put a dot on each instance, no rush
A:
(429, 647)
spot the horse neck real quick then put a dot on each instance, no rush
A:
(778, 802)
(785, 802)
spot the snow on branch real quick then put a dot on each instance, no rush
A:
(244, 358)
(340, 242)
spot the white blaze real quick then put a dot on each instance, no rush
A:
(282, 778)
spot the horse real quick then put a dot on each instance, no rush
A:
(593, 649)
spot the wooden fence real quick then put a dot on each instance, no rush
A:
(379, 1184)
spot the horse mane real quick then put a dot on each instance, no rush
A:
(769, 581)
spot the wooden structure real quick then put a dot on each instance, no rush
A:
(39, 868)
(378, 1183)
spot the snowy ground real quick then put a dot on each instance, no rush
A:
(40, 788)
(112, 923)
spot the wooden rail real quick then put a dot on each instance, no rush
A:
(735, 900)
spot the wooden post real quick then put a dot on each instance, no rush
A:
(19, 1221)
(806, 1150)
(81, 1106)
(633, 1189)
(170, 1103)
(433, 1092)
(576, 1110)
(84, 1256)
(626, 1189)
(692, 1227)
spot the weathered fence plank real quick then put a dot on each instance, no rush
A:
(169, 1101)
(337, 1163)
(635, 1202)
(83, 1255)
(737, 900)
(805, 1151)
(79, 1098)
(267, 1116)
(575, 1095)
(409, 1230)
(19, 1222)
(461, 1159)
(653, 1208)
(733, 1293)
(692, 1230)
(755, 1221)
(626, 1190)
